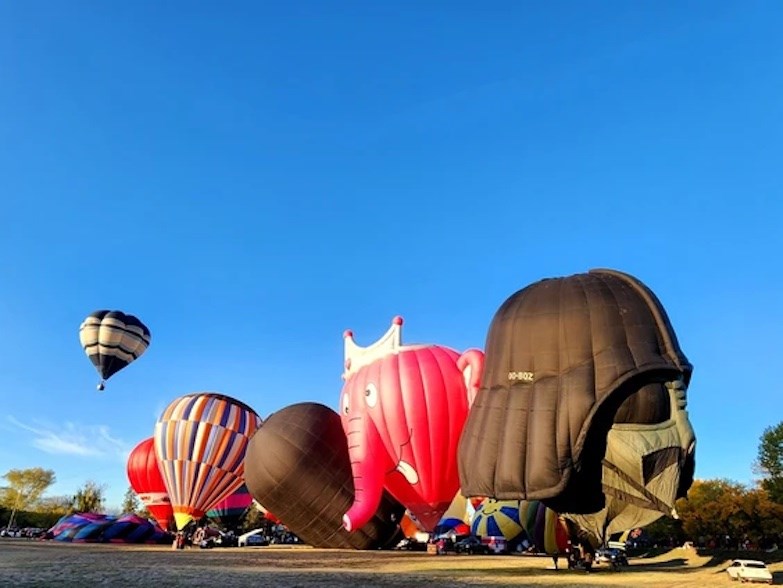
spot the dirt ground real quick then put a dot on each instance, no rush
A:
(36, 563)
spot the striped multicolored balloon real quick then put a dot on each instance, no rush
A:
(200, 443)
(229, 511)
(544, 527)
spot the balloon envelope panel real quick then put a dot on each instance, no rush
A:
(298, 467)
(147, 482)
(200, 442)
(228, 512)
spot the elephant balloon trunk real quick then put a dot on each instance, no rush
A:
(363, 443)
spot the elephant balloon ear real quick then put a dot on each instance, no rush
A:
(471, 364)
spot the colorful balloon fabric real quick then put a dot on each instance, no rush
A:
(497, 518)
(297, 465)
(409, 527)
(200, 443)
(112, 340)
(229, 511)
(147, 482)
(403, 408)
(544, 527)
(100, 528)
(456, 519)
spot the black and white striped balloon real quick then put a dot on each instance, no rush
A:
(112, 340)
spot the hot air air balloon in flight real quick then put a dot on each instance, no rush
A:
(112, 340)
(145, 479)
(200, 443)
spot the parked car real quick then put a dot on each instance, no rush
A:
(749, 570)
(471, 545)
(254, 538)
(613, 556)
(411, 544)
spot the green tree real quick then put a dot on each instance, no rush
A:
(89, 498)
(131, 503)
(762, 517)
(713, 509)
(252, 519)
(24, 489)
(770, 462)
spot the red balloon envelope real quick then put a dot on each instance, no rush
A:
(403, 409)
(146, 480)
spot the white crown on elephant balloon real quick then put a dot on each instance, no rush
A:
(357, 357)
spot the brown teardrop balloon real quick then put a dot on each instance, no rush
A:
(297, 466)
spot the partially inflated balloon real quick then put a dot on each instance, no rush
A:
(147, 482)
(228, 512)
(112, 340)
(547, 530)
(200, 442)
(497, 518)
(456, 518)
(297, 465)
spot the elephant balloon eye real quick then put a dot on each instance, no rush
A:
(371, 395)
(346, 404)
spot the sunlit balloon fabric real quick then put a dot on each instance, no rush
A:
(147, 482)
(200, 443)
(112, 340)
(456, 519)
(403, 408)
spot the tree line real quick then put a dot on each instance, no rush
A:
(723, 514)
(23, 504)
(717, 513)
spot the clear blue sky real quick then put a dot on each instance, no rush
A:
(252, 178)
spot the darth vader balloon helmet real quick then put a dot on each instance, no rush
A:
(568, 359)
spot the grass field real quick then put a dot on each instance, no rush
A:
(35, 563)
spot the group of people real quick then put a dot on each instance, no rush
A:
(198, 537)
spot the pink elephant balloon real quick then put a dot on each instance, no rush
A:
(403, 408)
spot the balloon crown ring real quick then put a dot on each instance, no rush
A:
(356, 357)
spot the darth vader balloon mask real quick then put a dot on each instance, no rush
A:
(582, 401)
